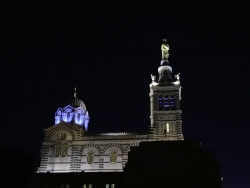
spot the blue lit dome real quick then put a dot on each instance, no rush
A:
(73, 112)
(75, 103)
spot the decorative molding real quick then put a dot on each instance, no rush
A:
(163, 94)
(57, 129)
(91, 145)
(60, 142)
(121, 137)
(134, 144)
(167, 112)
(127, 149)
(113, 145)
(75, 127)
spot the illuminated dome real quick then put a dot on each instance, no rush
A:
(75, 103)
(73, 112)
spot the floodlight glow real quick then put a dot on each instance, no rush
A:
(167, 127)
(68, 114)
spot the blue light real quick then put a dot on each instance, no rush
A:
(76, 116)
(57, 119)
(67, 117)
(79, 119)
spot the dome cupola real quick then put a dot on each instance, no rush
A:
(76, 102)
(74, 112)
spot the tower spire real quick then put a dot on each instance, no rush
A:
(75, 92)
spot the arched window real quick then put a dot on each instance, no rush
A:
(64, 150)
(90, 157)
(67, 114)
(61, 150)
(166, 101)
(113, 157)
(172, 102)
(161, 103)
(58, 150)
(167, 127)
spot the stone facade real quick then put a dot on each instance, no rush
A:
(78, 146)
(158, 158)
(69, 147)
(165, 111)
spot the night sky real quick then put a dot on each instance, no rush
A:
(108, 51)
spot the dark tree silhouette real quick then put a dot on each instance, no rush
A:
(16, 169)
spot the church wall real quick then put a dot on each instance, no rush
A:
(77, 160)
(60, 164)
(84, 160)
(102, 150)
(106, 157)
(68, 136)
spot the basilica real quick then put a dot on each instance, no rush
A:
(73, 157)
(69, 147)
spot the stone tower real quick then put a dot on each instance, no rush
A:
(165, 96)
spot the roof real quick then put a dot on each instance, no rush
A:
(75, 103)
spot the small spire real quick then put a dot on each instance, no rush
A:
(75, 92)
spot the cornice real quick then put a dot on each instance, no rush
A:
(167, 112)
(74, 127)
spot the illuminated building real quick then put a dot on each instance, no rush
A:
(157, 158)
(69, 147)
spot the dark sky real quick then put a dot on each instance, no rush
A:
(108, 51)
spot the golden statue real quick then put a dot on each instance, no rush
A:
(164, 49)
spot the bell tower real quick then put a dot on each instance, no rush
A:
(165, 96)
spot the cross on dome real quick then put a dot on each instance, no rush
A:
(75, 92)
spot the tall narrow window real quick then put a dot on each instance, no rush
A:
(64, 150)
(58, 151)
(166, 103)
(167, 127)
(172, 103)
(161, 103)
(90, 157)
(113, 157)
